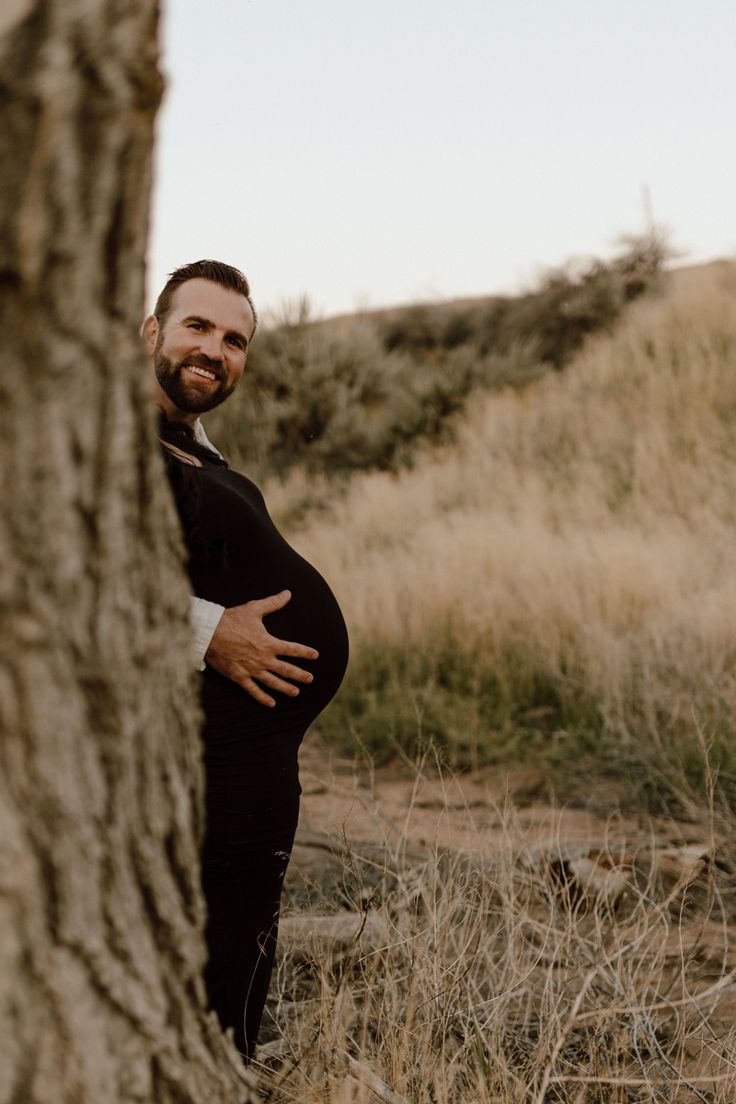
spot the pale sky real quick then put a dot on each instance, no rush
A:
(370, 153)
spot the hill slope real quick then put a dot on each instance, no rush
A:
(558, 583)
(360, 393)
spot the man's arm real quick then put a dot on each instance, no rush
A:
(236, 643)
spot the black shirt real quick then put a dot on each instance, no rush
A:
(236, 554)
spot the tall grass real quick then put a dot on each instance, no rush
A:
(516, 977)
(560, 581)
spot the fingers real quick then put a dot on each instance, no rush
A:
(273, 682)
(291, 648)
(255, 692)
(289, 671)
(261, 607)
(272, 603)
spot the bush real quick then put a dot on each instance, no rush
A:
(570, 302)
(560, 581)
(340, 396)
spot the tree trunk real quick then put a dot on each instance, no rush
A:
(101, 916)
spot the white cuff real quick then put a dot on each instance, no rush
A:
(205, 619)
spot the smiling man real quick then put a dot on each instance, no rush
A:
(201, 332)
(260, 692)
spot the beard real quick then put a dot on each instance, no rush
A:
(182, 389)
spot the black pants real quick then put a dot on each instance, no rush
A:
(244, 861)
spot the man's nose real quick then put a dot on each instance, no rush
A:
(211, 346)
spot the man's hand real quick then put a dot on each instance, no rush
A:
(243, 650)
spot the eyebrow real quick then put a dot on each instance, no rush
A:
(210, 325)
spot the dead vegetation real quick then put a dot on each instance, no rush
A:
(557, 586)
(513, 971)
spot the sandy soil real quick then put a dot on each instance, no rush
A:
(481, 812)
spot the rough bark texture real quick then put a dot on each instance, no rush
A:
(101, 916)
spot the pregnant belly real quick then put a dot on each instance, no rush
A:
(311, 617)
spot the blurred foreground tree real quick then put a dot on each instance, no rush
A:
(101, 999)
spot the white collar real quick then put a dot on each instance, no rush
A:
(201, 437)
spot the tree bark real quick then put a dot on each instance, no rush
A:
(101, 915)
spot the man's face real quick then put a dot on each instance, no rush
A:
(199, 352)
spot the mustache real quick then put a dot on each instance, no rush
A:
(199, 360)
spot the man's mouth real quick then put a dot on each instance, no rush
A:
(203, 372)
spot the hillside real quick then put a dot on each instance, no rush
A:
(556, 585)
(367, 392)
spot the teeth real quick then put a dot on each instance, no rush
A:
(201, 372)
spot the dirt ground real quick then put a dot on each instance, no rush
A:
(481, 812)
(596, 883)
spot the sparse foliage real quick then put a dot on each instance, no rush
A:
(557, 585)
(513, 974)
(342, 396)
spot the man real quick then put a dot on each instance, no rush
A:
(233, 641)
(260, 690)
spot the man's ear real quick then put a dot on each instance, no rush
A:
(149, 332)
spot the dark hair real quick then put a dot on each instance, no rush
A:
(216, 271)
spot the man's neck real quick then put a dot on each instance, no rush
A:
(171, 412)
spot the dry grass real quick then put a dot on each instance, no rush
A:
(571, 558)
(516, 975)
(579, 537)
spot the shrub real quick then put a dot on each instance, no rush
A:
(339, 396)
(560, 579)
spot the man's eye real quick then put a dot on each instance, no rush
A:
(195, 325)
(236, 342)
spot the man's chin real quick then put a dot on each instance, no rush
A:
(199, 405)
(209, 402)
(191, 401)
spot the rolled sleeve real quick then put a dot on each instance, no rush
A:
(205, 619)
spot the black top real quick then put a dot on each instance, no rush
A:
(236, 554)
